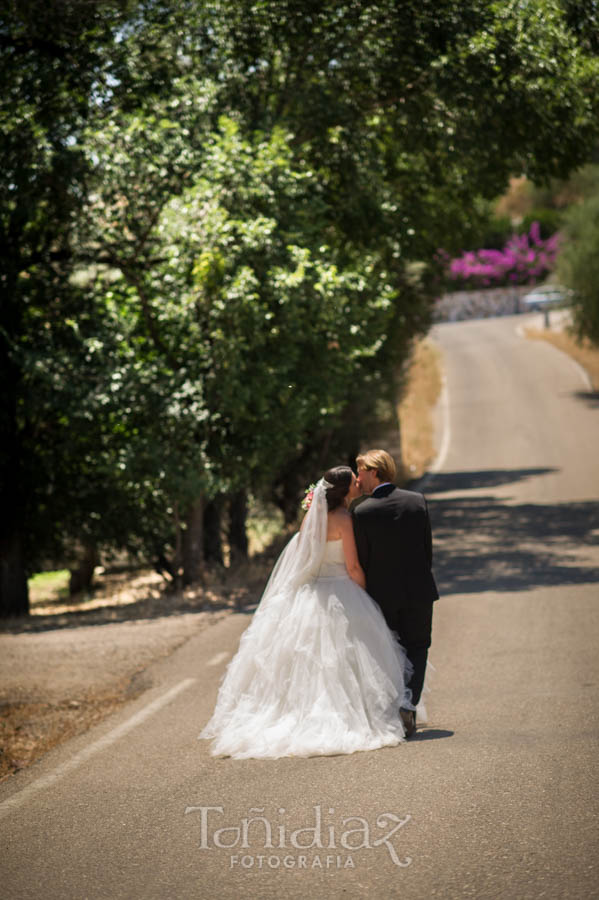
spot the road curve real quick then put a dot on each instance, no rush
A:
(495, 798)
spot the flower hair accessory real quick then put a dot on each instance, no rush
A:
(308, 497)
(309, 494)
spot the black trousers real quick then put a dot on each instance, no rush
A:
(413, 626)
(417, 656)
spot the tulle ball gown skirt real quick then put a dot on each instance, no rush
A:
(317, 672)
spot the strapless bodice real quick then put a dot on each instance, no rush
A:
(333, 563)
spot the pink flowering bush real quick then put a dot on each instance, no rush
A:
(525, 259)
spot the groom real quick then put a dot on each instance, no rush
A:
(393, 537)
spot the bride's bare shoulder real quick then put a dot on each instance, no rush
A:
(338, 521)
(339, 515)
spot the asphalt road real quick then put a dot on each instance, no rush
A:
(496, 798)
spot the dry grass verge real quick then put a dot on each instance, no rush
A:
(28, 730)
(582, 351)
(415, 410)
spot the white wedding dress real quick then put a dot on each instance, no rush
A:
(318, 672)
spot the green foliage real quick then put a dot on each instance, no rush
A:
(549, 220)
(253, 328)
(485, 228)
(52, 63)
(578, 266)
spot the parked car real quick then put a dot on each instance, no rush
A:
(546, 297)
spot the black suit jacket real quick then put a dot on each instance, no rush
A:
(395, 548)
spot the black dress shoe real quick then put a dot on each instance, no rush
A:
(408, 717)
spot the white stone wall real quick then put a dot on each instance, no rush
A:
(480, 304)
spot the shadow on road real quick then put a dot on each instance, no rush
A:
(591, 398)
(431, 734)
(152, 607)
(483, 543)
(444, 482)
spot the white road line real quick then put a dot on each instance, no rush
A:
(218, 658)
(45, 781)
(445, 438)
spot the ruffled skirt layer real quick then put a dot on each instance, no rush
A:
(317, 672)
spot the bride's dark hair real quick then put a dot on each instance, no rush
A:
(340, 480)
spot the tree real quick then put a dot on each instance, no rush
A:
(263, 339)
(53, 57)
(321, 152)
(578, 266)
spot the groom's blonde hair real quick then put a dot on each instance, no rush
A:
(380, 461)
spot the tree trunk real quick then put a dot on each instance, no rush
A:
(14, 592)
(238, 540)
(82, 577)
(213, 545)
(288, 501)
(193, 542)
(178, 560)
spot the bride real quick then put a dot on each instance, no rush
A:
(317, 671)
